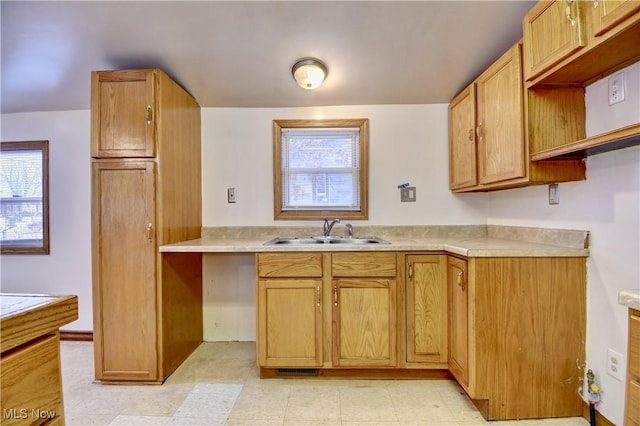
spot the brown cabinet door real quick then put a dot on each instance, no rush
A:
(500, 124)
(462, 140)
(426, 289)
(608, 13)
(123, 114)
(458, 320)
(289, 323)
(552, 30)
(364, 322)
(124, 278)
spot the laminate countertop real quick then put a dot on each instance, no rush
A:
(630, 299)
(464, 241)
(24, 317)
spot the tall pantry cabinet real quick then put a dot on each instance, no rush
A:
(146, 192)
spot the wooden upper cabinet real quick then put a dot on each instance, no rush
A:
(462, 139)
(608, 13)
(500, 120)
(124, 107)
(552, 30)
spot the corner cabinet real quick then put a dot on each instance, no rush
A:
(458, 320)
(517, 334)
(145, 147)
(490, 129)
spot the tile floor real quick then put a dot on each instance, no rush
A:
(219, 385)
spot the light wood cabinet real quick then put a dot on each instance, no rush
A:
(632, 402)
(462, 140)
(608, 13)
(145, 193)
(426, 309)
(326, 309)
(509, 124)
(526, 335)
(458, 320)
(289, 309)
(30, 373)
(553, 30)
(500, 120)
(364, 309)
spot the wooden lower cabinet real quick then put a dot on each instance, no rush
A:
(526, 336)
(289, 322)
(364, 326)
(426, 310)
(632, 403)
(458, 320)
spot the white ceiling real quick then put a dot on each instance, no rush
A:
(240, 53)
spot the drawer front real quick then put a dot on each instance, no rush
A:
(31, 383)
(363, 264)
(289, 265)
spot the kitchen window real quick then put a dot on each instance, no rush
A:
(320, 169)
(24, 197)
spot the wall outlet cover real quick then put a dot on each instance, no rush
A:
(615, 364)
(617, 87)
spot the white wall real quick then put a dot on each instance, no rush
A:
(408, 143)
(67, 269)
(608, 205)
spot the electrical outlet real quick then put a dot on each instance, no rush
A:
(617, 88)
(554, 194)
(615, 364)
(231, 195)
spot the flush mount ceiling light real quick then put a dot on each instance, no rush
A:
(309, 73)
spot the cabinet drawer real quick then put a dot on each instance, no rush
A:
(363, 264)
(289, 264)
(32, 374)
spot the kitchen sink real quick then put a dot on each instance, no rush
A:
(325, 240)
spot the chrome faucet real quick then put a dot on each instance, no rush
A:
(329, 225)
(349, 230)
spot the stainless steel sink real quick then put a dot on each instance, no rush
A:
(326, 240)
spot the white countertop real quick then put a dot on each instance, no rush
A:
(469, 247)
(630, 299)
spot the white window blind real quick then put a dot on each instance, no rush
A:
(320, 169)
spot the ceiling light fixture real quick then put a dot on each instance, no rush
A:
(309, 73)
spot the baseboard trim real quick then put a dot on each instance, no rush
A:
(600, 419)
(76, 336)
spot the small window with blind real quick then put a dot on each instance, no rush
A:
(320, 169)
(24, 197)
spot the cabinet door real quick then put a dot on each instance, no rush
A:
(364, 322)
(458, 318)
(123, 114)
(462, 140)
(124, 276)
(608, 13)
(552, 30)
(501, 144)
(426, 290)
(289, 322)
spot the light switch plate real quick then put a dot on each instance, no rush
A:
(408, 194)
(554, 194)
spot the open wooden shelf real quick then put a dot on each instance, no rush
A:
(616, 139)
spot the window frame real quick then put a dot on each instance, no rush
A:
(363, 175)
(43, 146)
